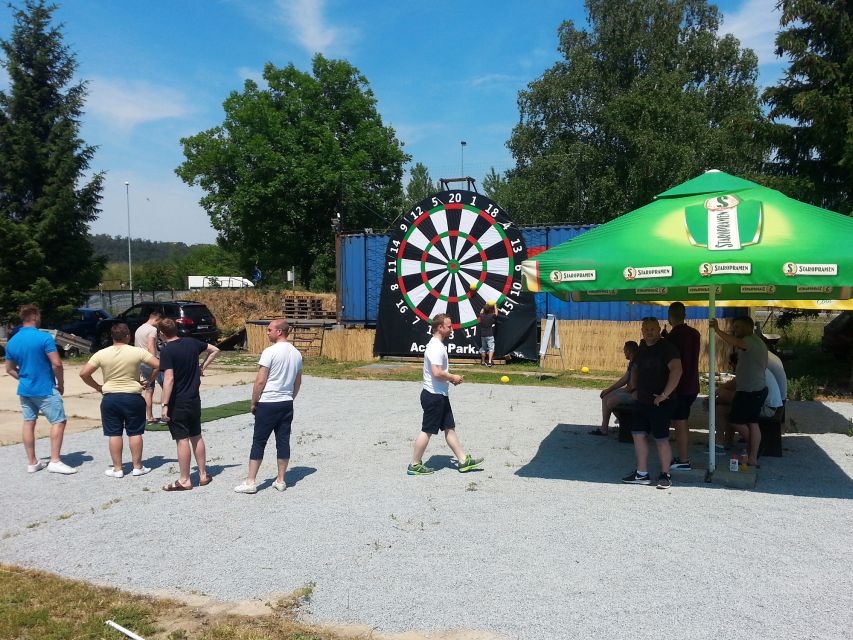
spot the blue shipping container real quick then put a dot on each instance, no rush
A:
(363, 265)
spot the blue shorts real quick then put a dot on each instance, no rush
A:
(272, 417)
(122, 412)
(51, 407)
(145, 373)
(487, 344)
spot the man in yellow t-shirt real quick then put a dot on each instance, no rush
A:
(122, 407)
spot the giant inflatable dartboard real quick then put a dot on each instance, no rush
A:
(454, 252)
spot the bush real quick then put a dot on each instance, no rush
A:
(803, 388)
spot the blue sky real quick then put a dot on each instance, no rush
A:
(442, 72)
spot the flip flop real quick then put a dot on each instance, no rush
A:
(207, 480)
(176, 486)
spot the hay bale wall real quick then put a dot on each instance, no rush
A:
(597, 344)
(349, 345)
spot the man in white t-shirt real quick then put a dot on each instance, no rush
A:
(438, 416)
(276, 387)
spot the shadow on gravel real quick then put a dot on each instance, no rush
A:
(294, 476)
(570, 453)
(76, 458)
(213, 470)
(155, 462)
(441, 462)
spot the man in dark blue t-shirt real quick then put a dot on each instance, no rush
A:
(181, 400)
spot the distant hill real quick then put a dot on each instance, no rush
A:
(115, 249)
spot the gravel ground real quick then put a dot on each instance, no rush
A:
(544, 543)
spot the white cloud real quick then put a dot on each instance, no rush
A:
(491, 79)
(755, 24)
(125, 104)
(248, 73)
(410, 134)
(309, 28)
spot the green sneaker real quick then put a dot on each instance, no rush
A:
(469, 464)
(419, 469)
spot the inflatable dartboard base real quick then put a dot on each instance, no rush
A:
(452, 253)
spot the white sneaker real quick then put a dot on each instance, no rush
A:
(112, 473)
(141, 471)
(246, 488)
(38, 466)
(61, 467)
(279, 486)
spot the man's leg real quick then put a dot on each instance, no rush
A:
(421, 443)
(57, 433)
(664, 453)
(491, 357)
(754, 443)
(135, 450)
(184, 455)
(264, 425)
(28, 435)
(254, 466)
(282, 469)
(200, 453)
(641, 451)
(148, 396)
(116, 446)
(284, 418)
(682, 439)
(454, 444)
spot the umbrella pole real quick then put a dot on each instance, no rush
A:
(712, 385)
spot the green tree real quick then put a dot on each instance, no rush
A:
(207, 260)
(288, 156)
(45, 204)
(420, 185)
(812, 105)
(649, 96)
(155, 276)
(495, 187)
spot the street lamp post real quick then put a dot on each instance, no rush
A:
(129, 254)
(462, 161)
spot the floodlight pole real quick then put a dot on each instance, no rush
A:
(129, 255)
(462, 158)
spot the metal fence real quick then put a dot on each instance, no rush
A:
(117, 300)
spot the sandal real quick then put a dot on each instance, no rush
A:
(176, 486)
(207, 480)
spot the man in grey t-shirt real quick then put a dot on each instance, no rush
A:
(145, 337)
(750, 383)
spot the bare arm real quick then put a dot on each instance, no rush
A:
(671, 382)
(621, 382)
(86, 374)
(297, 385)
(212, 352)
(12, 369)
(440, 374)
(165, 396)
(726, 337)
(58, 371)
(258, 388)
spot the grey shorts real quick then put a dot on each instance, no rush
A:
(487, 344)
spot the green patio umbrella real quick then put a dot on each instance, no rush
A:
(715, 237)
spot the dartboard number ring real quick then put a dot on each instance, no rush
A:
(452, 253)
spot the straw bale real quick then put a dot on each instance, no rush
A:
(597, 344)
(349, 345)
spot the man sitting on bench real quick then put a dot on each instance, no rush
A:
(618, 393)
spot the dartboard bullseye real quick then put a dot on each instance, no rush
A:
(451, 254)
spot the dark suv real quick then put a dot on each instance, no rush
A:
(193, 319)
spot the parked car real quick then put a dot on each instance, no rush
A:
(193, 319)
(838, 336)
(85, 322)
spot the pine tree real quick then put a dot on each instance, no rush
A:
(815, 154)
(45, 206)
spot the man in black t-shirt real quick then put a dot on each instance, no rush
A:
(181, 400)
(657, 370)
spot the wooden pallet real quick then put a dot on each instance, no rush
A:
(307, 339)
(305, 308)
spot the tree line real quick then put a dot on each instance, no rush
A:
(646, 94)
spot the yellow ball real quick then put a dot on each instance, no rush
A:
(474, 286)
(584, 369)
(504, 379)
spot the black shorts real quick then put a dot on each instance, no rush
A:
(746, 406)
(651, 419)
(682, 406)
(185, 419)
(438, 416)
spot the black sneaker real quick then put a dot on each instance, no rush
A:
(678, 464)
(636, 478)
(664, 481)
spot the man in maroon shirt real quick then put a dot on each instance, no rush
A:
(686, 339)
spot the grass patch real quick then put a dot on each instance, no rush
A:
(226, 410)
(34, 604)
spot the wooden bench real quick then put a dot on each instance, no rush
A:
(625, 415)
